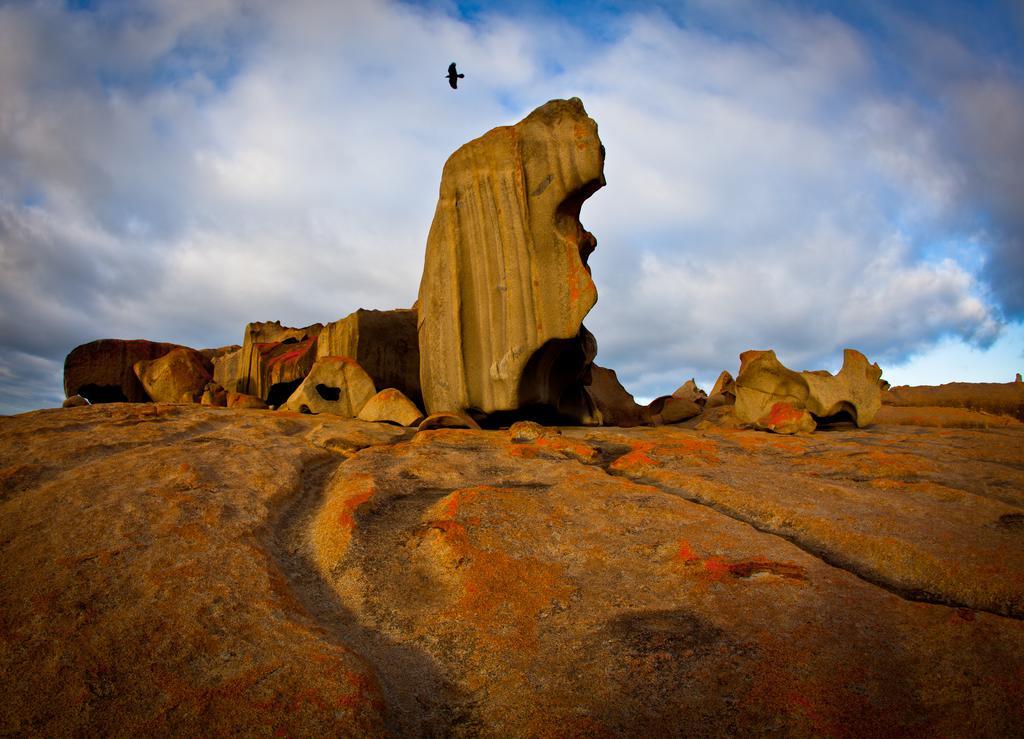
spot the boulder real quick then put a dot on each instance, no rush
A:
(385, 344)
(670, 409)
(773, 397)
(506, 283)
(1005, 399)
(335, 385)
(241, 400)
(689, 391)
(178, 376)
(723, 393)
(615, 404)
(391, 405)
(103, 371)
(75, 401)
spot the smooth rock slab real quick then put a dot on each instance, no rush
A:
(182, 570)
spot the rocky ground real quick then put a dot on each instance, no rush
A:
(182, 569)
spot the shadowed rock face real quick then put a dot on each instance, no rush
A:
(383, 342)
(102, 371)
(505, 274)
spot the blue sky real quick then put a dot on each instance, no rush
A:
(801, 176)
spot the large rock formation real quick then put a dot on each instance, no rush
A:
(385, 344)
(179, 376)
(773, 397)
(272, 362)
(505, 282)
(103, 371)
(992, 397)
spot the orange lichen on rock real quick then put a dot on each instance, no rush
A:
(501, 596)
(332, 527)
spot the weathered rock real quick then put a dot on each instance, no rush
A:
(241, 401)
(992, 397)
(214, 396)
(771, 396)
(103, 371)
(227, 370)
(523, 431)
(220, 351)
(227, 574)
(505, 282)
(75, 401)
(689, 391)
(615, 404)
(384, 343)
(724, 391)
(446, 420)
(272, 362)
(670, 409)
(335, 385)
(178, 376)
(942, 417)
(392, 406)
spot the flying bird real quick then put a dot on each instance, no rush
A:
(453, 76)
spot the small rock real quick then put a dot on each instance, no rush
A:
(391, 406)
(524, 431)
(242, 400)
(214, 395)
(75, 401)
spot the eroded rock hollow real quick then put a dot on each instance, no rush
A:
(506, 283)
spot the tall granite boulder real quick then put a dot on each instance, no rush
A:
(385, 344)
(272, 362)
(774, 397)
(506, 283)
(102, 371)
(181, 375)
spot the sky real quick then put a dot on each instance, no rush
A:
(794, 175)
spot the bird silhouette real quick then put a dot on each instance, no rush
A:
(453, 76)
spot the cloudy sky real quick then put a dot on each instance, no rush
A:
(801, 176)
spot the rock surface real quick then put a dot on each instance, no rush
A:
(505, 282)
(180, 374)
(385, 344)
(335, 385)
(271, 363)
(232, 572)
(103, 371)
(392, 406)
(615, 404)
(991, 397)
(723, 392)
(773, 397)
